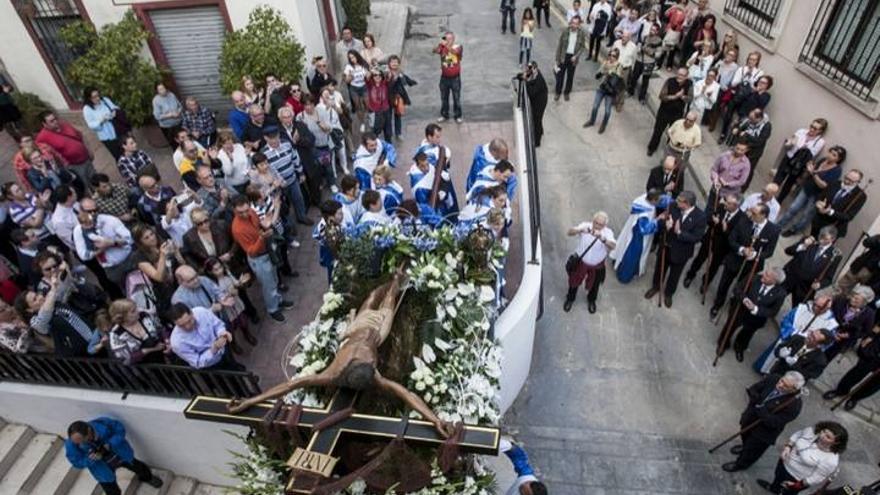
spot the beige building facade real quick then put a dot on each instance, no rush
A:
(825, 58)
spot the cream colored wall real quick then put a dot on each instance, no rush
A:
(29, 71)
(797, 99)
(23, 60)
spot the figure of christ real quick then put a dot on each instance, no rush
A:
(355, 363)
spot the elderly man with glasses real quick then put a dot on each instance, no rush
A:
(839, 203)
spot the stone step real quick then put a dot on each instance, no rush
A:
(127, 481)
(31, 464)
(181, 485)
(57, 479)
(205, 489)
(14, 439)
(84, 484)
(166, 476)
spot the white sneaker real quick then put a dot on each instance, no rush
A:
(441, 119)
(334, 189)
(459, 120)
(294, 243)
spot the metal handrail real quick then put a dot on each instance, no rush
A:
(112, 375)
(525, 107)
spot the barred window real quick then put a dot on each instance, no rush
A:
(759, 15)
(844, 44)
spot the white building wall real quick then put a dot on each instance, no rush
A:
(797, 99)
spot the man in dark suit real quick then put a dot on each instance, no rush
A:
(803, 354)
(839, 203)
(722, 221)
(667, 177)
(855, 319)
(868, 352)
(750, 242)
(760, 303)
(683, 226)
(27, 245)
(812, 265)
(765, 397)
(865, 269)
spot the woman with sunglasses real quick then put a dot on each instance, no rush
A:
(819, 175)
(612, 84)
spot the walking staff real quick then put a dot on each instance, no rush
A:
(855, 389)
(725, 336)
(711, 250)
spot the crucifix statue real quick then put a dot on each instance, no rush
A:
(355, 364)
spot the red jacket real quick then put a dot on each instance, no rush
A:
(68, 142)
(450, 60)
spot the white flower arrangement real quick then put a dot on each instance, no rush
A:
(457, 374)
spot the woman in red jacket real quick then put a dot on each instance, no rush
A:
(379, 104)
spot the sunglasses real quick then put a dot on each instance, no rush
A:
(202, 222)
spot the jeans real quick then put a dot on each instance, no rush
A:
(264, 271)
(507, 18)
(382, 124)
(398, 124)
(597, 101)
(525, 49)
(295, 197)
(565, 73)
(141, 470)
(453, 85)
(801, 204)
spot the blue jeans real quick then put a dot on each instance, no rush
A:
(265, 273)
(295, 198)
(801, 203)
(453, 85)
(597, 101)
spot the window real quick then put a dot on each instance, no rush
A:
(44, 19)
(844, 44)
(758, 15)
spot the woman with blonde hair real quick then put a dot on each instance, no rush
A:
(252, 94)
(136, 337)
(372, 53)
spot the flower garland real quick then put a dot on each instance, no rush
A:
(457, 374)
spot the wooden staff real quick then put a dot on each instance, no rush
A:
(728, 328)
(711, 258)
(663, 249)
(738, 275)
(818, 279)
(749, 427)
(856, 389)
(438, 176)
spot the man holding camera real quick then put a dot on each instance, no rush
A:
(587, 265)
(450, 76)
(100, 446)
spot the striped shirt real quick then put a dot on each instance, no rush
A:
(284, 160)
(22, 212)
(129, 165)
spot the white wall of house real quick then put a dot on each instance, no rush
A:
(30, 73)
(798, 98)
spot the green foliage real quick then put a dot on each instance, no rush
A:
(266, 45)
(30, 106)
(110, 60)
(356, 12)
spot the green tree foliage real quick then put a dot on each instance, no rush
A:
(266, 45)
(356, 12)
(30, 106)
(110, 60)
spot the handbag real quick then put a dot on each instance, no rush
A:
(399, 106)
(611, 85)
(571, 264)
(120, 121)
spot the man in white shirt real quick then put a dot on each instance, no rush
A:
(64, 217)
(595, 241)
(628, 50)
(105, 238)
(765, 197)
(374, 213)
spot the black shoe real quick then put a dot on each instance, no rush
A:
(565, 97)
(850, 405)
(739, 356)
(650, 152)
(687, 282)
(278, 316)
(736, 449)
(591, 306)
(789, 233)
(556, 97)
(831, 394)
(155, 482)
(588, 123)
(714, 312)
(255, 319)
(651, 292)
(286, 304)
(667, 300)
(731, 467)
(602, 128)
(567, 306)
(765, 485)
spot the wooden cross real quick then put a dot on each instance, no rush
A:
(317, 457)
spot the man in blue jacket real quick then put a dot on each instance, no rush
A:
(100, 446)
(526, 481)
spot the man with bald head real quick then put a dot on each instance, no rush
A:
(106, 239)
(486, 156)
(767, 196)
(238, 115)
(683, 137)
(198, 291)
(667, 177)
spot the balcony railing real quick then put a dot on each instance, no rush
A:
(111, 375)
(759, 15)
(523, 104)
(844, 44)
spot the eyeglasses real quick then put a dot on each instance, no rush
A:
(816, 127)
(297, 90)
(201, 222)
